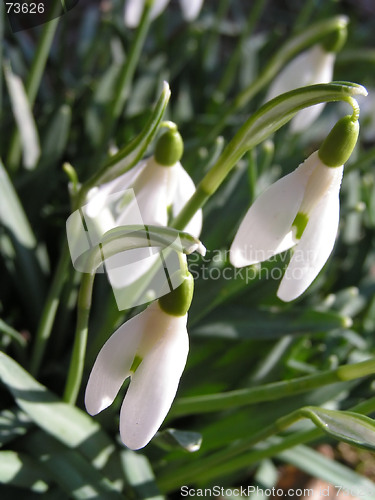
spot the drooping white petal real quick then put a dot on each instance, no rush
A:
(134, 8)
(266, 228)
(154, 384)
(323, 73)
(154, 189)
(113, 363)
(313, 66)
(99, 196)
(191, 8)
(185, 189)
(316, 243)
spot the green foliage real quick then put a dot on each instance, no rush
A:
(265, 381)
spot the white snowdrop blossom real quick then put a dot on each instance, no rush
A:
(301, 210)
(134, 8)
(159, 191)
(310, 67)
(151, 349)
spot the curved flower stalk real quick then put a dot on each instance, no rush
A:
(151, 349)
(300, 210)
(159, 188)
(308, 68)
(134, 8)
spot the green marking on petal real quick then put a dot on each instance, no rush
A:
(136, 362)
(300, 223)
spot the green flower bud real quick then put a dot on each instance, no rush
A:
(340, 142)
(335, 41)
(177, 302)
(169, 148)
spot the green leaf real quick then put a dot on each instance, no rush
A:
(12, 333)
(355, 429)
(68, 424)
(239, 322)
(128, 156)
(56, 137)
(18, 469)
(338, 475)
(25, 260)
(24, 118)
(173, 439)
(140, 476)
(76, 476)
(13, 424)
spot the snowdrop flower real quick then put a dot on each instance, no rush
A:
(312, 66)
(151, 349)
(134, 9)
(300, 210)
(160, 187)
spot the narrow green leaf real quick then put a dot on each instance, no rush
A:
(13, 424)
(68, 424)
(24, 118)
(76, 476)
(12, 333)
(341, 478)
(56, 137)
(347, 426)
(25, 260)
(128, 156)
(140, 476)
(18, 469)
(257, 324)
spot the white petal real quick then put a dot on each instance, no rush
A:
(185, 189)
(153, 189)
(265, 230)
(321, 72)
(191, 8)
(134, 8)
(305, 118)
(314, 65)
(126, 267)
(154, 384)
(315, 245)
(113, 363)
(98, 196)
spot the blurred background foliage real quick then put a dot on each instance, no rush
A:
(241, 335)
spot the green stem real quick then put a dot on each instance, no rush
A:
(34, 78)
(272, 391)
(80, 340)
(49, 312)
(312, 35)
(126, 76)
